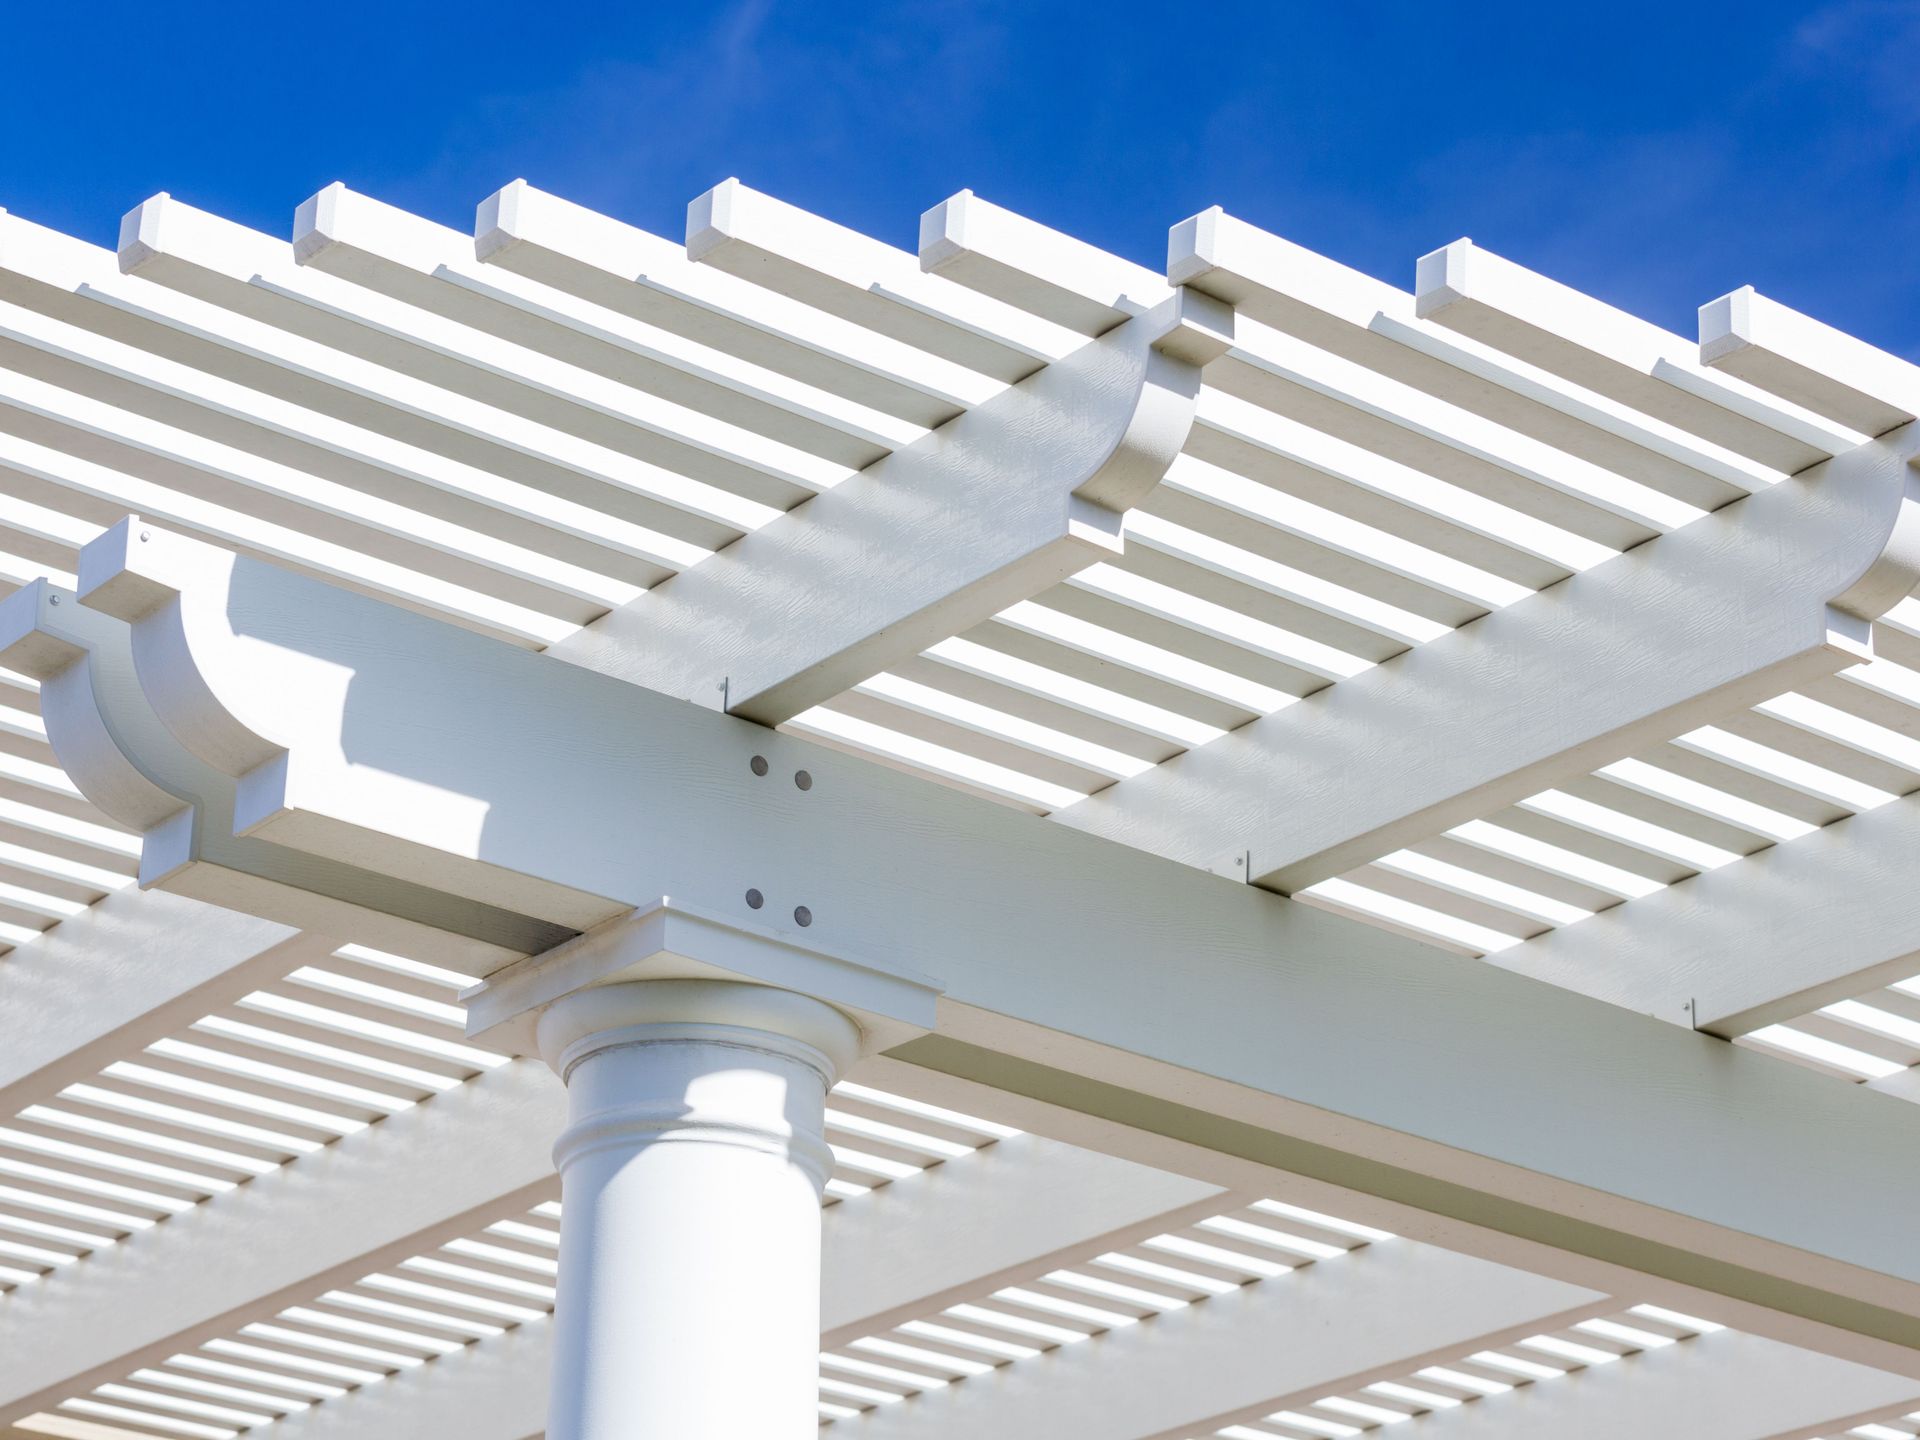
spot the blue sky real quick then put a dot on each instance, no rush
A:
(1655, 154)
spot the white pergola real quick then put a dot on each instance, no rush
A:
(1233, 853)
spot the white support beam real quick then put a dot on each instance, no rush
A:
(1022, 1205)
(993, 250)
(1723, 1386)
(1841, 1427)
(1279, 283)
(486, 774)
(619, 270)
(184, 807)
(1799, 359)
(688, 407)
(124, 972)
(1587, 341)
(481, 1153)
(1381, 1311)
(1276, 283)
(431, 346)
(494, 1389)
(1191, 1152)
(787, 250)
(264, 435)
(897, 1253)
(1634, 651)
(446, 1168)
(929, 541)
(1823, 918)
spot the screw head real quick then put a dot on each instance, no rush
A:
(758, 764)
(802, 916)
(53, 599)
(803, 779)
(755, 899)
(146, 535)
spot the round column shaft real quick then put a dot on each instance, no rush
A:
(691, 1170)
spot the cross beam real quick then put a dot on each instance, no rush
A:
(1724, 1386)
(929, 541)
(1333, 1327)
(134, 967)
(481, 1153)
(1673, 634)
(1827, 918)
(1089, 974)
(259, 1248)
(1383, 1311)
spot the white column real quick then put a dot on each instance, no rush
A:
(691, 1170)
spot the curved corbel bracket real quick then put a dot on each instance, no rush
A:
(238, 667)
(1892, 574)
(988, 510)
(128, 763)
(1835, 379)
(166, 586)
(47, 635)
(1172, 345)
(442, 777)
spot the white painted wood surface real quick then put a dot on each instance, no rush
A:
(389, 1192)
(1793, 928)
(1383, 1311)
(1726, 1386)
(1634, 651)
(889, 1256)
(692, 1167)
(494, 800)
(929, 541)
(1178, 1365)
(522, 430)
(132, 968)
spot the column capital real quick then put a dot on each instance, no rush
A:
(598, 1018)
(520, 1007)
(708, 1062)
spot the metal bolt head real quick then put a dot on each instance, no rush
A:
(755, 899)
(146, 535)
(758, 764)
(802, 916)
(53, 599)
(803, 779)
